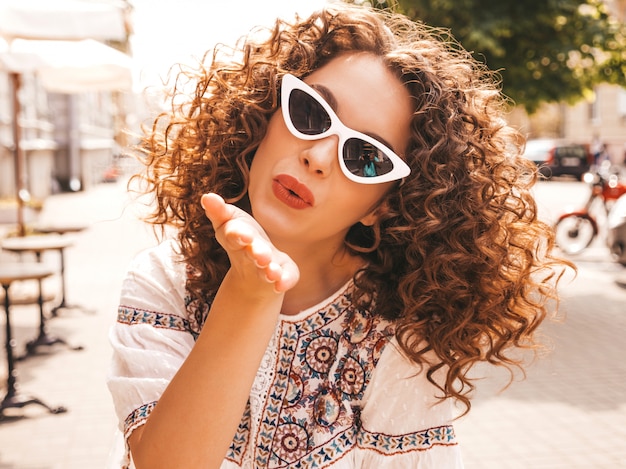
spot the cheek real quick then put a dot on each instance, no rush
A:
(261, 156)
(277, 135)
(357, 203)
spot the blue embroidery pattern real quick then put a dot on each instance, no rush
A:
(137, 417)
(238, 446)
(310, 417)
(420, 441)
(132, 316)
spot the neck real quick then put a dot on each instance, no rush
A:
(321, 274)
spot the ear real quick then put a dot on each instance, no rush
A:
(375, 215)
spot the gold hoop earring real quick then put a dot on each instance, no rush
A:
(361, 235)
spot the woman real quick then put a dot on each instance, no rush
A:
(308, 314)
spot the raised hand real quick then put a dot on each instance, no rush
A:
(252, 255)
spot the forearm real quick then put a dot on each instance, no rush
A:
(195, 420)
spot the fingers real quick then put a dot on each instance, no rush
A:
(247, 245)
(216, 209)
(260, 252)
(228, 229)
(283, 277)
(289, 276)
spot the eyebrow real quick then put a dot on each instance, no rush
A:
(327, 95)
(332, 102)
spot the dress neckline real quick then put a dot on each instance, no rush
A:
(305, 313)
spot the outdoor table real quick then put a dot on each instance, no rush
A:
(61, 229)
(9, 273)
(38, 244)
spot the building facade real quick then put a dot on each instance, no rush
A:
(599, 120)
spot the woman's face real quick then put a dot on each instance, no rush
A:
(297, 190)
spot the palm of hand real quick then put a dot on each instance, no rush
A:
(252, 255)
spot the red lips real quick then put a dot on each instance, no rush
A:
(291, 192)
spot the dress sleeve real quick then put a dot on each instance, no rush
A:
(151, 337)
(403, 423)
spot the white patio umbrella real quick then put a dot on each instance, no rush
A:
(55, 40)
(63, 19)
(69, 66)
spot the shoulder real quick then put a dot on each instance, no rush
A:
(155, 275)
(400, 387)
(404, 423)
(159, 262)
(164, 256)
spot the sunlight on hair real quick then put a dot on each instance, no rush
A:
(166, 33)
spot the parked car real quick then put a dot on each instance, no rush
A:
(559, 158)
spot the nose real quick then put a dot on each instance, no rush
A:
(320, 156)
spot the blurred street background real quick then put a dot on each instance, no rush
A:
(78, 77)
(569, 413)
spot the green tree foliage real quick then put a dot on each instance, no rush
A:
(545, 50)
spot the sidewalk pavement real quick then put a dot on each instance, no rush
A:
(94, 267)
(569, 413)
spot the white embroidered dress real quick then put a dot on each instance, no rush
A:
(333, 389)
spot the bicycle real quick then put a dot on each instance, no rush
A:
(576, 230)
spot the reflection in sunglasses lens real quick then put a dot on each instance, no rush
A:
(364, 159)
(360, 157)
(307, 115)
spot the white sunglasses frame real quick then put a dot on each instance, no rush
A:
(400, 168)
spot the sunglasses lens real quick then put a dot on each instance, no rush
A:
(364, 159)
(307, 115)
